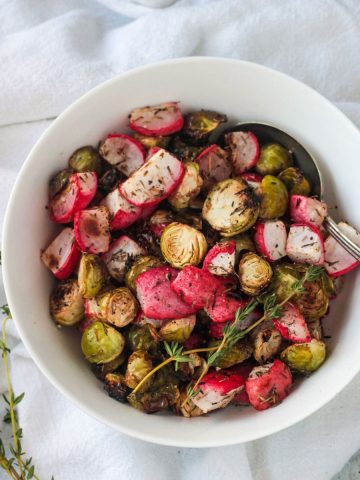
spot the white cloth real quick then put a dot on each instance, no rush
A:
(53, 51)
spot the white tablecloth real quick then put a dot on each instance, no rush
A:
(53, 51)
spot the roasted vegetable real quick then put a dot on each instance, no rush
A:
(187, 409)
(283, 280)
(223, 307)
(151, 142)
(305, 244)
(214, 166)
(254, 273)
(85, 159)
(140, 265)
(138, 366)
(155, 398)
(238, 353)
(157, 120)
(273, 159)
(307, 210)
(305, 357)
(62, 255)
(118, 306)
(183, 151)
(66, 303)
(122, 252)
(295, 181)
(59, 181)
(123, 152)
(274, 198)
(198, 126)
(122, 213)
(337, 260)
(243, 242)
(92, 229)
(189, 187)
(142, 338)
(243, 150)
(159, 221)
(220, 260)
(101, 343)
(101, 370)
(109, 181)
(270, 238)
(314, 302)
(178, 330)
(267, 343)
(91, 276)
(291, 324)
(116, 387)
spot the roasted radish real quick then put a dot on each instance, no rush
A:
(159, 221)
(92, 229)
(156, 120)
(307, 210)
(62, 255)
(253, 179)
(122, 252)
(305, 244)
(270, 238)
(123, 152)
(92, 309)
(151, 152)
(224, 308)
(244, 150)
(220, 259)
(292, 324)
(122, 213)
(214, 166)
(337, 260)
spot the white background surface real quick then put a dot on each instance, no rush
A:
(53, 51)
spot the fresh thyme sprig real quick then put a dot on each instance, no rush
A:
(175, 350)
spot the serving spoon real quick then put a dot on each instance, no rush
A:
(307, 164)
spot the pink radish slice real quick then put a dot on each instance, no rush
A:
(154, 181)
(305, 244)
(157, 120)
(122, 213)
(92, 309)
(307, 210)
(62, 255)
(270, 238)
(123, 152)
(214, 166)
(146, 212)
(224, 308)
(292, 325)
(337, 260)
(151, 152)
(121, 252)
(220, 259)
(244, 150)
(92, 229)
(253, 179)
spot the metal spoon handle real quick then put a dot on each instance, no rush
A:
(344, 241)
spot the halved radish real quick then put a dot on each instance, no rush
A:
(253, 179)
(157, 120)
(122, 213)
(292, 325)
(220, 259)
(62, 255)
(123, 152)
(270, 238)
(154, 181)
(337, 260)
(151, 152)
(305, 244)
(122, 251)
(224, 308)
(146, 212)
(244, 150)
(307, 210)
(92, 229)
(216, 329)
(77, 195)
(214, 166)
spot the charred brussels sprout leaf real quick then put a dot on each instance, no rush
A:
(142, 338)
(178, 330)
(189, 187)
(314, 302)
(116, 387)
(150, 142)
(92, 275)
(230, 356)
(295, 181)
(186, 408)
(183, 151)
(139, 365)
(284, 278)
(198, 126)
(118, 306)
(274, 197)
(305, 357)
(267, 343)
(254, 273)
(273, 159)
(155, 400)
(101, 343)
(59, 181)
(85, 159)
(100, 370)
(66, 303)
(109, 181)
(142, 264)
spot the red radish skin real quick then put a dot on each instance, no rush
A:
(159, 221)
(292, 325)
(122, 213)
(338, 261)
(305, 244)
(307, 210)
(214, 166)
(120, 253)
(146, 212)
(216, 329)
(62, 255)
(220, 259)
(152, 152)
(270, 238)
(156, 297)
(241, 398)
(154, 181)
(123, 152)
(157, 120)
(253, 179)
(92, 229)
(268, 385)
(91, 308)
(85, 323)
(244, 150)
(224, 308)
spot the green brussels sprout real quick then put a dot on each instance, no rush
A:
(142, 264)
(187, 371)
(274, 198)
(116, 387)
(243, 241)
(183, 151)
(178, 330)
(328, 285)
(305, 357)
(254, 273)
(59, 181)
(267, 343)
(100, 370)
(118, 306)
(198, 126)
(154, 400)
(91, 276)
(295, 181)
(138, 366)
(66, 303)
(231, 207)
(109, 180)
(143, 338)
(238, 353)
(101, 343)
(283, 280)
(273, 159)
(150, 142)
(189, 187)
(85, 159)
(182, 245)
(187, 409)
(314, 303)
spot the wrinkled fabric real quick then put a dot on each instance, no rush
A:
(51, 52)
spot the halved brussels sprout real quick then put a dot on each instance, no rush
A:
(59, 181)
(118, 306)
(85, 159)
(101, 343)
(155, 399)
(139, 365)
(274, 198)
(198, 126)
(267, 343)
(142, 264)
(254, 273)
(187, 409)
(238, 353)
(314, 303)
(183, 151)
(189, 187)
(143, 338)
(66, 303)
(100, 370)
(178, 330)
(91, 276)
(295, 181)
(305, 357)
(283, 280)
(231, 207)
(182, 245)
(187, 371)
(273, 159)
(116, 387)
(150, 142)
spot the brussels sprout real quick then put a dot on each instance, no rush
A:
(314, 303)
(189, 187)
(59, 181)
(273, 159)
(116, 387)
(183, 151)
(315, 328)
(283, 280)
(118, 306)
(101, 343)
(85, 159)
(198, 126)
(305, 357)
(231, 207)
(274, 197)
(254, 273)
(187, 409)
(187, 371)
(154, 400)
(150, 142)
(295, 181)
(142, 264)
(66, 303)
(238, 353)
(328, 285)
(182, 245)
(100, 370)
(190, 218)
(139, 365)
(243, 241)
(109, 180)
(143, 338)
(178, 330)
(267, 343)
(91, 276)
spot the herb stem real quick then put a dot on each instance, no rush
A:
(158, 367)
(10, 471)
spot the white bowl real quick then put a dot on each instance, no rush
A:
(243, 91)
